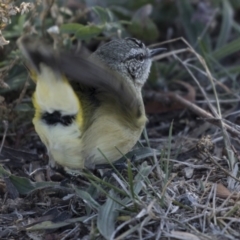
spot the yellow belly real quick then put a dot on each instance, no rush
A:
(105, 138)
(64, 144)
(108, 136)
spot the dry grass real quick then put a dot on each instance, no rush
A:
(182, 184)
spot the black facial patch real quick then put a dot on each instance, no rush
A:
(137, 57)
(56, 117)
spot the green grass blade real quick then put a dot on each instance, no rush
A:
(227, 49)
(227, 22)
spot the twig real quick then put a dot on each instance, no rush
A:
(47, 7)
(206, 115)
(209, 156)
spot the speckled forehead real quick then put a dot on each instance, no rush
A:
(135, 46)
(135, 51)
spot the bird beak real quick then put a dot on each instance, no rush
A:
(156, 51)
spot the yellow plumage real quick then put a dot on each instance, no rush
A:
(106, 116)
(53, 92)
(70, 146)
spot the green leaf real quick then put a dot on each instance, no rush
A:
(227, 49)
(15, 82)
(104, 14)
(24, 185)
(142, 26)
(144, 171)
(82, 32)
(88, 32)
(107, 216)
(4, 173)
(227, 21)
(87, 198)
(17, 28)
(70, 27)
(146, 31)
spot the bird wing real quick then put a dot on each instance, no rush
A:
(78, 68)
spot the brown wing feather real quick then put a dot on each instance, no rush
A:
(78, 68)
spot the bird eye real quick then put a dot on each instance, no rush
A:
(140, 57)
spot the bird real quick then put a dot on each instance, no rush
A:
(101, 121)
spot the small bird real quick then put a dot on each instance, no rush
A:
(105, 118)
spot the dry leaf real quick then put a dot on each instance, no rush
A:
(223, 192)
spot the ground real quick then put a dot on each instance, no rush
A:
(182, 180)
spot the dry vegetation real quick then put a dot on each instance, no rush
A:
(183, 180)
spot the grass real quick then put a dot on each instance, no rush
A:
(184, 180)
